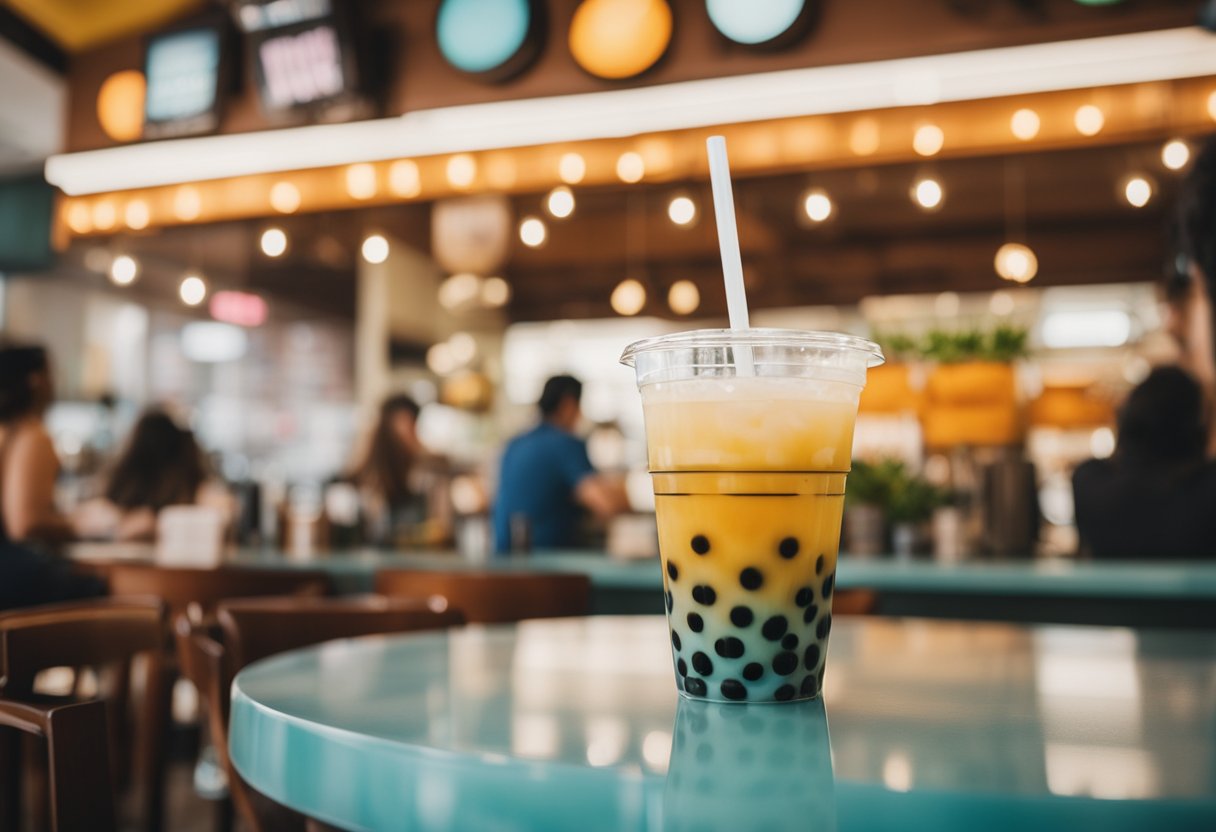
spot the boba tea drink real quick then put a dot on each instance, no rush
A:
(749, 476)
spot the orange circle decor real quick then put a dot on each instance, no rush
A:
(120, 105)
(618, 39)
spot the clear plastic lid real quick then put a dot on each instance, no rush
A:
(781, 353)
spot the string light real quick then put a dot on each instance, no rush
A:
(1175, 154)
(274, 242)
(682, 210)
(1016, 262)
(533, 232)
(193, 290)
(461, 171)
(361, 181)
(1138, 191)
(404, 179)
(629, 297)
(683, 297)
(928, 140)
(560, 202)
(123, 270)
(374, 249)
(136, 215)
(571, 168)
(928, 193)
(817, 205)
(187, 203)
(285, 198)
(1089, 120)
(630, 167)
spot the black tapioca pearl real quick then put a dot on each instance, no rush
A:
(825, 626)
(705, 595)
(808, 615)
(682, 667)
(751, 578)
(729, 647)
(675, 639)
(753, 671)
(819, 564)
(828, 584)
(790, 642)
(788, 547)
(805, 597)
(810, 686)
(784, 663)
(775, 627)
(667, 598)
(673, 571)
(741, 616)
(700, 544)
(695, 623)
(702, 664)
(695, 686)
(784, 693)
(810, 659)
(734, 689)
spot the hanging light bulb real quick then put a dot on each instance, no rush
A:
(361, 181)
(572, 168)
(123, 270)
(630, 167)
(136, 214)
(629, 297)
(374, 248)
(682, 210)
(285, 197)
(533, 232)
(928, 193)
(461, 171)
(193, 290)
(683, 297)
(817, 205)
(928, 140)
(1175, 154)
(560, 202)
(404, 178)
(1016, 262)
(1137, 191)
(273, 242)
(1089, 120)
(1025, 124)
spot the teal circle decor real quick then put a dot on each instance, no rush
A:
(760, 22)
(494, 39)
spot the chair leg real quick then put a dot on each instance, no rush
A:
(37, 783)
(224, 815)
(155, 723)
(116, 691)
(10, 780)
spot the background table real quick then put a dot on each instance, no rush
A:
(573, 724)
(1061, 592)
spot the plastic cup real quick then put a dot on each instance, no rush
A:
(749, 475)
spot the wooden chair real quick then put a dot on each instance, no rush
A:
(193, 592)
(253, 629)
(96, 634)
(493, 597)
(854, 602)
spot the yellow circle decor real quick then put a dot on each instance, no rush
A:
(120, 105)
(618, 39)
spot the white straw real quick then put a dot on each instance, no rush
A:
(728, 243)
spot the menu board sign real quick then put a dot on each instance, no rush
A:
(182, 68)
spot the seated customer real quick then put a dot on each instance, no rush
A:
(547, 479)
(162, 465)
(1155, 498)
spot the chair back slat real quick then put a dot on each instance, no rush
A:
(493, 597)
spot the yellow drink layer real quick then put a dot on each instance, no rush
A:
(750, 424)
(749, 479)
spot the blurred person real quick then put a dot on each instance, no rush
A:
(1154, 498)
(1192, 288)
(402, 484)
(547, 480)
(29, 467)
(161, 465)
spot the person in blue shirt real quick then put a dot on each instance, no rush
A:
(547, 480)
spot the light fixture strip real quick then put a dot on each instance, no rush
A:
(962, 76)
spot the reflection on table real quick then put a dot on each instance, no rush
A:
(569, 724)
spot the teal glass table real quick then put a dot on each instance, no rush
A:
(575, 725)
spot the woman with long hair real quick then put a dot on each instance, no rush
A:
(403, 485)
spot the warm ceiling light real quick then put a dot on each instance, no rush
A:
(361, 181)
(628, 297)
(404, 178)
(1137, 191)
(187, 204)
(1089, 120)
(1175, 154)
(532, 232)
(374, 248)
(136, 215)
(683, 297)
(193, 290)
(630, 167)
(105, 215)
(571, 168)
(618, 39)
(818, 206)
(120, 105)
(864, 137)
(1212, 104)
(274, 242)
(560, 202)
(1025, 124)
(285, 197)
(1016, 262)
(495, 292)
(928, 140)
(79, 218)
(461, 171)
(928, 193)
(682, 210)
(123, 270)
